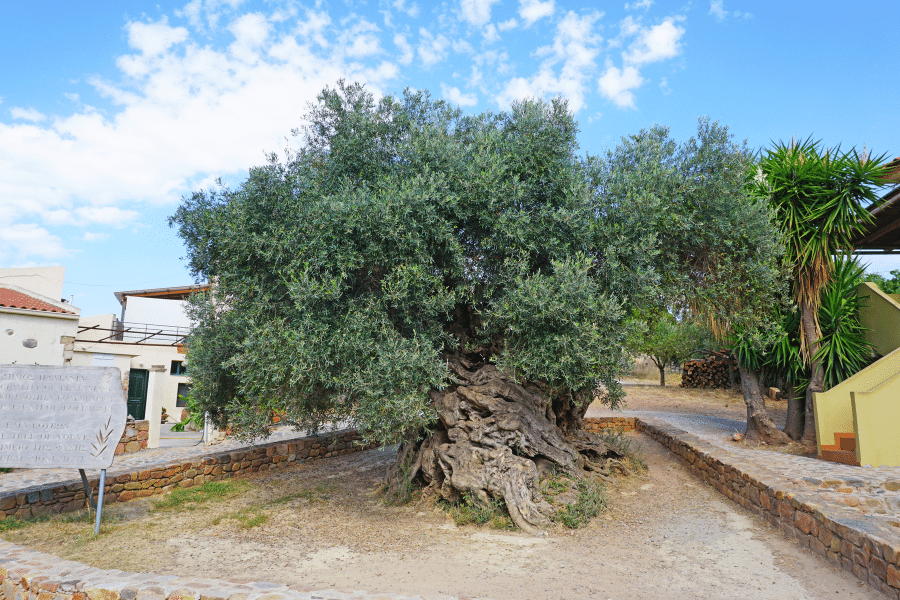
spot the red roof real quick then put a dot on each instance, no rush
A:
(14, 299)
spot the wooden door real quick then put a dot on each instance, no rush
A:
(137, 392)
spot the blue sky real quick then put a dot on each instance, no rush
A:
(110, 112)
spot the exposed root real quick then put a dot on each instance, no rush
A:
(493, 435)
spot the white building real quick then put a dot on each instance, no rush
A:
(35, 329)
(147, 344)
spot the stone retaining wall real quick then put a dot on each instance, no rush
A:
(69, 496)
(865, 547)
(135, 437)
(597, 425)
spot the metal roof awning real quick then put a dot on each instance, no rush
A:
(167, 293)
(883, 235)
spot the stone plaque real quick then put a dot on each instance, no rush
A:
(60, 416)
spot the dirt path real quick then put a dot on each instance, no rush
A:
(665, 536)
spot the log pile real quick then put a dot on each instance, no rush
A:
(710, 372)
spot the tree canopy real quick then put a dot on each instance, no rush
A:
(665, 339)
(401, 233)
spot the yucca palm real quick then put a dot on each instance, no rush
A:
(820, 198)
(843, 349)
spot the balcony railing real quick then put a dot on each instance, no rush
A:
(123, 332)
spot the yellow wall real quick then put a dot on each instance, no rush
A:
(876, 415)
(834, 411)
(880, 314)
(868, 403)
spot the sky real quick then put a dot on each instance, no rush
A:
(112, 112)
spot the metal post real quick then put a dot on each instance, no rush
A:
(206, 429)
(87, 489)
(100, 501)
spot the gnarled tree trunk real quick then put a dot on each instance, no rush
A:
(760, 426)
(495, 438)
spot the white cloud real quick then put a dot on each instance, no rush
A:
(404, 47)
(476, 12)
(95, 237)
(250, 32)
(664, 86)
(617, 85)
(567, 66)
(360, 39)
(490, 34)
(186, 111)
(643, 4)
(314, 27)
(717, 10)
(206, 14)
(507, 25)
(461, 46)
(83, 216)
(27, 114)
(21, 240)
(154, 38)
(432, 49)
(534, 10)
(656, 43)
(411, 9)
(454, 96)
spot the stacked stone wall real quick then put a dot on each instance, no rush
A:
(135, 437)
(596, 425)
(69, 496)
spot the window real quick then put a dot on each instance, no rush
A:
(183, 390)
(178, 368)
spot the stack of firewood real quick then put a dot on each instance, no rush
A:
(710, 372)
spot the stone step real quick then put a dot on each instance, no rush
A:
(842, 451)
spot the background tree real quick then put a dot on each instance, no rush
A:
(718, 248)
(436, 280)
(665, 340)
(888, 285)
(819, 198)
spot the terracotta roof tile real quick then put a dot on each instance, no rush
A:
(14, 299)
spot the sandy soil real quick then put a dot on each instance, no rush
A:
(665, 535)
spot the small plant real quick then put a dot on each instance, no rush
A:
(321, 492)
(591, 503)
(247, 518)
(192, 498)
(401, 489)
(11, 523)
(624, 445)
(470, 510)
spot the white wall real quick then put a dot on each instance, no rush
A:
(121, 359)
(46, 329)
(103, 322)
(46, 281)
(156, 311)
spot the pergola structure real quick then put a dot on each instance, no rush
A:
(883, 235)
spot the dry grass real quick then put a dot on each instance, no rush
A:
(646, 395)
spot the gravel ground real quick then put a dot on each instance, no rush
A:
(665, 535)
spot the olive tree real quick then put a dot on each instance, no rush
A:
(448, 282)
(719, 252)
(666, 340)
